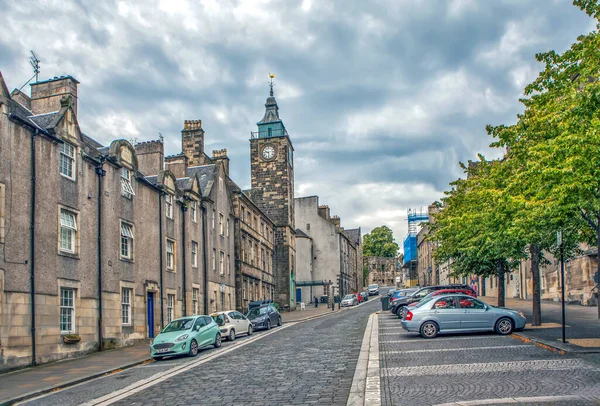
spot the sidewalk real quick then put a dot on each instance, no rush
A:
(582, 331)
(29, 382)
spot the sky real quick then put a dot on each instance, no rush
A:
(382, 99)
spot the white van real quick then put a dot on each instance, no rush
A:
(373, 289)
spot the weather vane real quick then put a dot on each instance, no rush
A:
(272, 76)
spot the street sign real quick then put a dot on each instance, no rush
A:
(559, 238)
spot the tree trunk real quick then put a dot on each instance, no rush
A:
(501, 283)
(598, 260)
(537, 294)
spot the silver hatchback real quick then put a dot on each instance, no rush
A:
(460, 314)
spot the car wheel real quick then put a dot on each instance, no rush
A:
(429, 329)
(505, 326)
(250, 330)
(279, 322)
(157, 358)
(268, 324)
(231, 335)
(193, 348)
(217, 343)
(401, 312)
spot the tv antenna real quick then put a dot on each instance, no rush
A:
(35, 64)
(160, 137)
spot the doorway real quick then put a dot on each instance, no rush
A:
(150, 312)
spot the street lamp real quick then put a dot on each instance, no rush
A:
(562, 281)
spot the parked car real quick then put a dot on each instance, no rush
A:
(460, 314)
(400, 293)
(264, 316)
(398, 306)
(185, 336)
(350, 300)
(259, 303)
(402, 311)
(232, 323)
(364, 296)
(373, 289)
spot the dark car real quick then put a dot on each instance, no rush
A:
(398, 306)
(259, 303)
(363, 297)
(401, 293)
(264, 317)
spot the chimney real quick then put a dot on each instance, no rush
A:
(21, 98)
(150, 155)
(335, 220)
(192, 142)
(46, 96)
(221, 156)
(323, 211)
(178, 164)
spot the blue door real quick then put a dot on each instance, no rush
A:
(150, 303)
(298, 295)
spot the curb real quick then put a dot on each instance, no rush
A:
(356, 396)
(72, 382)
(551, 346)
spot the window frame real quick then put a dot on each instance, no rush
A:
(214, 260)
(195, 302)
(227, 227)
(70, 159)
(221, 225)
(169, 206)
(170, 254)
(194, 254)
(126, 306)
(193, 211)
(221, 263)
(170, 307)
(73, 230)
(126, 183)
(72, 308)
(128, 239)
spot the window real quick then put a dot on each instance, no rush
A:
(213, 220)
(220, 184)
(67, 160)
(126, 241)
(2, 200)
(242, 211)
(68, 230)
(228, 265)
(445, 303)
(227, 226)
(307, 226)
(256, 253)
(126, 294)
(215, 300)
(245, 289)
(170, 255)
(194, 254)
(169, 205)
(126, 186)
(222, 300)
(67, 310)
(195, 294)
(221, 262)
(193, 211)
(244, 249)
(170, 307)
(214, 260)
(221, 230)
(471, 303)
(262, 258)
(262, 228)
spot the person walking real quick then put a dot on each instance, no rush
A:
(316, 302)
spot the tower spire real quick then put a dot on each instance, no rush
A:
(272, 76)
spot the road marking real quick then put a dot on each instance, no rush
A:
(470, 349)
(418, 339)
(532, 399)
(373, 384)
(477, 368)
(163, 376)
(357, 390)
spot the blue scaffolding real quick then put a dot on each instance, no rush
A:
(410, 242)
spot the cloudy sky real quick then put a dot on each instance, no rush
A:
(381, 98)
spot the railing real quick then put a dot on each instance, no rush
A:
(268, 133)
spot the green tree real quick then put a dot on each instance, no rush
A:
(380, 243)
(556, 141)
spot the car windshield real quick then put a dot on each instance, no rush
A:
(257, 311)
(179, 325)
(219, 319)
(425, 300)
(372, 286)
(348, 297)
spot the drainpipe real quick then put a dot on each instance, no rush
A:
(204, 263)
(32, 246)
(183, 210)
(101, 173)
(160, 258)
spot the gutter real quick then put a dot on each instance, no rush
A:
(32, 245)
(183, 210)
(101, 173)
(160, 259)
(204, 263)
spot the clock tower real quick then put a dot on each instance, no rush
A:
(272, 173)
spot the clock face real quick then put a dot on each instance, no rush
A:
(268, 152)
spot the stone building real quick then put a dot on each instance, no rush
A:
(326, 252)
(272, 180)
(383, 271)
(153, 235)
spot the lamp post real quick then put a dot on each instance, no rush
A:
(562, 281)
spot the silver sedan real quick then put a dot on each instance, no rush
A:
(460, 314)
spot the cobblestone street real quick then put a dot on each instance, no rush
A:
(468, 367)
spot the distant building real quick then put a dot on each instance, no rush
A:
(383, 271)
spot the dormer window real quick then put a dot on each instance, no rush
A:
(126, 186)
(67, 161)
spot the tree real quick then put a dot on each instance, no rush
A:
(380, 243)
(556, 141)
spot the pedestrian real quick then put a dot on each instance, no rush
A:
(316, 302)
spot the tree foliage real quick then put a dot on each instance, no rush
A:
(380, 243)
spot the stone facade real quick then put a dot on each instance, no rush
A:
(326, 252)
(383, 271)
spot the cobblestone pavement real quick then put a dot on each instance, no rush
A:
(312, 362)
(461, 368)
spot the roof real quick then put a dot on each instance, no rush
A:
(353, 234)
(206, 175)
(302, 234)
(45, 121)
(153, 180)
(54, 79)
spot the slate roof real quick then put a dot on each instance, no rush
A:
(300, 233)
(45, 121)
(206, 176)
(153, 180)
(353, 234)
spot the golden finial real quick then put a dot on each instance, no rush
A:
(272, 76)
